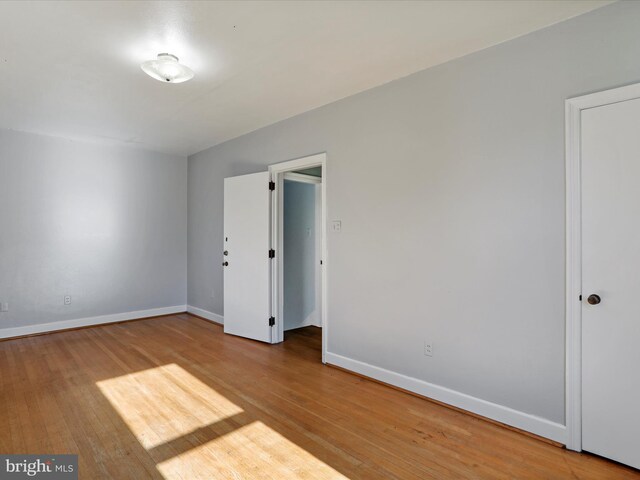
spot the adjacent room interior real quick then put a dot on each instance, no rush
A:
(319, 239)
(302, 249)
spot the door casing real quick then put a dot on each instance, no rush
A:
(278, 172)
(573, 290)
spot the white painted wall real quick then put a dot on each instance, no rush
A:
(450, 187)
(300, 251)
(104, 225)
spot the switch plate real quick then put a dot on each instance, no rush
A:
(428, 348)
(67, 299)
(4, 307)
(336, 226)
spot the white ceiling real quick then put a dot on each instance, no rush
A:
(72, 68)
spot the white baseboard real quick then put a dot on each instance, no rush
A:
(304, 325)
(523, 421)
(206, 314)
(88, 321)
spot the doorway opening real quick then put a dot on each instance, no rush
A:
(301, 252)
(299, 239)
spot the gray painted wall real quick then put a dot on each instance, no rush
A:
(299, 237)
(450, 187)
(105, 225)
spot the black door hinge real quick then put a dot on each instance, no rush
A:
(580, 297)
(272, 185)
(272, 321)
(272, 253)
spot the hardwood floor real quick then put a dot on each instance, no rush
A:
(175, 398)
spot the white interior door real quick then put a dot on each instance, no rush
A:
(611, 271)
(247, 273)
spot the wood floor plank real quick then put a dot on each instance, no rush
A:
(174, 398)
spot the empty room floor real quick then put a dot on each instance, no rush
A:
(173, 397)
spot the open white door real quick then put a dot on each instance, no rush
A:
(247, 269)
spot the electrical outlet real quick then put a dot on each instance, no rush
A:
(4, 307)
(67, 299)
(428, 348)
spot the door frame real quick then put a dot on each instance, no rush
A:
(573, 289)
(278, 172)
(302, 178)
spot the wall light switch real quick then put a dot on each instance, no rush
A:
(336, 226)
(4, 307)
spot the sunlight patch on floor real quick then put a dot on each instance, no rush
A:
(165, 403)
(253, 451)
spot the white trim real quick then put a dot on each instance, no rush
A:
(523, 421)
(573, 109)
(606, 97)
(573, 277)
(277, 172)
(206, 314)
(308, 322)
(302, 178)
(299, 163)
(89, 321)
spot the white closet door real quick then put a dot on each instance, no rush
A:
(611, 281)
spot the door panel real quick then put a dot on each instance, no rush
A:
(611, 270)
(247, 277)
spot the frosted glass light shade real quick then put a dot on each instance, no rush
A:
(166, 68)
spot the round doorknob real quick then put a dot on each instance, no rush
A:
(225, 264)
(594, 299)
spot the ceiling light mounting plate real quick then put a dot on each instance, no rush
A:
(165, 55)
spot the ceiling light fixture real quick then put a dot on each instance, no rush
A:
(166, 68)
